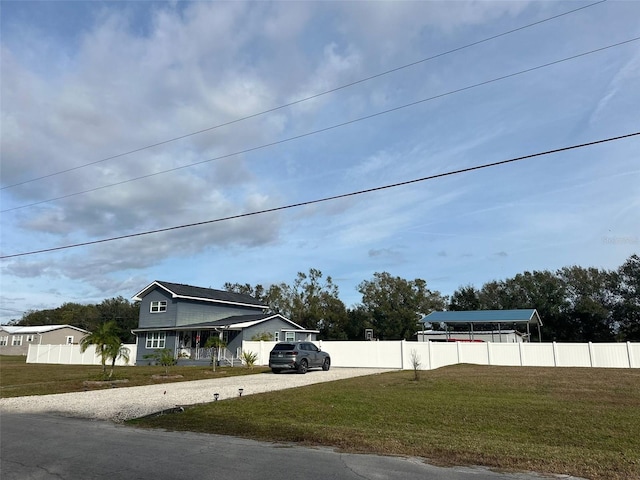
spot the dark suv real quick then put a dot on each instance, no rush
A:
(299, 356)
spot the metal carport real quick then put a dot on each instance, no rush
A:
(495, 317)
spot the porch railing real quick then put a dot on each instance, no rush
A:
(225, 356)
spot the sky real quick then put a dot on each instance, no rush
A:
(119, 118)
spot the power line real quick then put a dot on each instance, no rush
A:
(325, 129)
(296, 102)
(324, 199)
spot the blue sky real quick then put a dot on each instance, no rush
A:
(84, 81)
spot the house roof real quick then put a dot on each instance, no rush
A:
(236, 322)
(485, 316)
(36, 329)
(189, 292)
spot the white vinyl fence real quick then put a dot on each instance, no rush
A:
(430, 355)
(400, 354)
(71, 355)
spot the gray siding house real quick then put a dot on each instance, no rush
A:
(183, 317)
(15, 340)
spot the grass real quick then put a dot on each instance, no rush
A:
(583, 422)
(18, 378)
(578, 421)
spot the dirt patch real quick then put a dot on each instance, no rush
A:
(103, 383)
(165, 377)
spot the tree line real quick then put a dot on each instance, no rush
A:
(123, 313)
(576, 304)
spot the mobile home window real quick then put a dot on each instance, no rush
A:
(29, 338)
(289, 336)
(156, 339)
(69, 340)
(158, 307)
(17, 340)
(276, 336)
(4, 341)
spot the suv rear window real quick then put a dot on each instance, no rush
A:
(284, 347)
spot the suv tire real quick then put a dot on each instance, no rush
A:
(303, 366)
(326, 365)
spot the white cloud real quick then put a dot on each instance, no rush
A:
(127, 75)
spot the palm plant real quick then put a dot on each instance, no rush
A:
(115, 351)
(105, 338)
(216, 343)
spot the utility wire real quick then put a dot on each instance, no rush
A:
(325, 129)
(296, 102)
(324, 199)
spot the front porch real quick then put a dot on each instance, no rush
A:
(203, 356)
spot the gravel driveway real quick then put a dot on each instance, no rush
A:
(124, 403)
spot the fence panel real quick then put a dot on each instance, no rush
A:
(507, 354)
(614, 355)
(476, 353)
(573, 355)
(538, 355)
(634, 354)
(443, 354)
(71, 355)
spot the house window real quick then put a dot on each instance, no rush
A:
(289, 336)
(276, 336)
(29, 338)
(158, 307)
(4, 341)
(69, 340)
(17, 341)
(156, 339)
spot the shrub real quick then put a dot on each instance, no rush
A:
(249, 358)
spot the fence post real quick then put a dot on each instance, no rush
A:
(429, 355)
(520, 353)
(630, 355)
(402, 342)
(591, 357)
(555, 354)
(489, 353)
(458, 351)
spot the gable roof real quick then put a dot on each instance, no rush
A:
(485, 316)
(189, 292)
(36, 329)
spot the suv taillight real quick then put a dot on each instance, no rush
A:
(293, 353)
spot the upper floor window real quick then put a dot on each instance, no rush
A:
(157, 307)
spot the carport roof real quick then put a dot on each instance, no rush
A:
(485, 316)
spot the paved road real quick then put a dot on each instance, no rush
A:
(43, 447)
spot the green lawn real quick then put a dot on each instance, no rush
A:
(583, 422)
(579, 421)
(18, 378)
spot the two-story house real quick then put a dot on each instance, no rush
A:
(183, 317)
